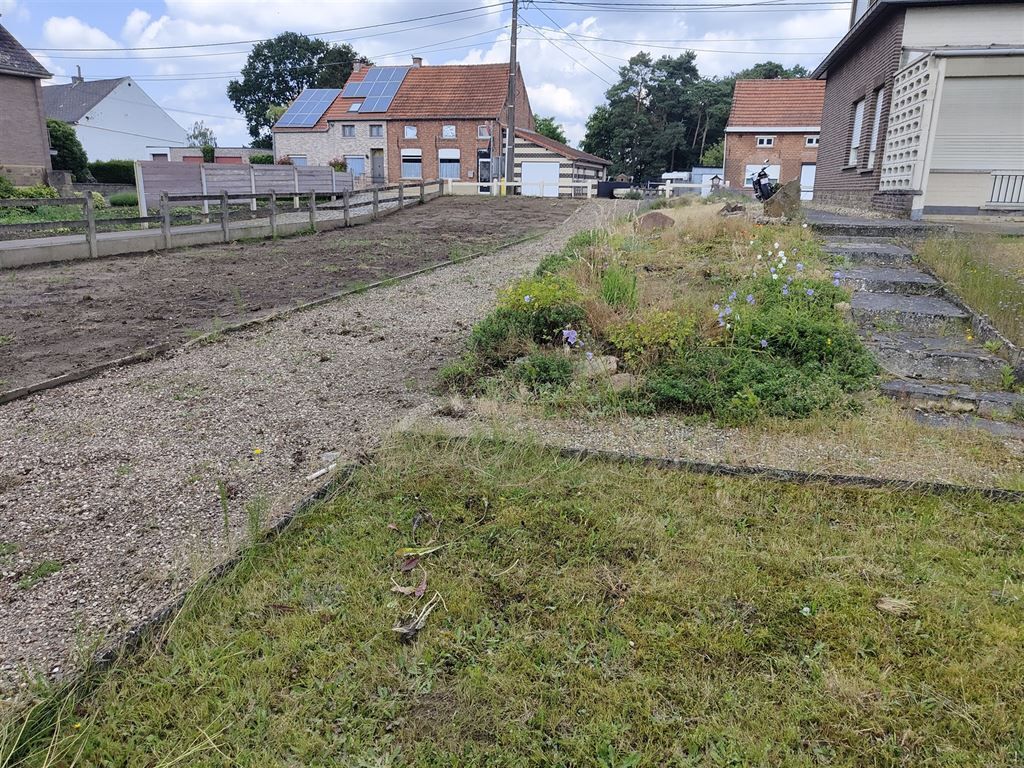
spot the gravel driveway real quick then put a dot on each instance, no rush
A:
(112, 490)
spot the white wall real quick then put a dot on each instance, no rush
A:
(127, 125)
(963, 26)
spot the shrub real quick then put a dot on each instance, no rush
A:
(574, 249)
(618, 286)
(98, 200)
(652, 338)
(460, 375)
(124, 199)
(552, 263)
(284, 160)
(36, 190)
(543, 369)
(499, 337)
(113, 171)
(633, 194)
(209, 153)
(6, 188)
(339, 164)
(70, 156)
(261, 159)
(541, 307)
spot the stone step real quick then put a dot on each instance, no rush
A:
(955, 398)
(924, 315)
(937, 358)
(1009, 429)
(907, 281)
(879, 254)
(854, 226)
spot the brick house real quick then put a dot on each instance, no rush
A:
(24, 140)
(411, 123)
(774, 122)
(924, 109)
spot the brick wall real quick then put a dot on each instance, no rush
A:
(24, 142)
(871, 65)
(429, 140)
(790, 152)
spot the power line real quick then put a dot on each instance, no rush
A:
(709, 50)
(591, 53)
(566, 53)
(265, 39)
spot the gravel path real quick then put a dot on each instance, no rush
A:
(115, 485)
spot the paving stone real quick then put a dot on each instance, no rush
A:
(863, 252)
(923, 314)
(908, 281)
(939, 396)
(940, 358)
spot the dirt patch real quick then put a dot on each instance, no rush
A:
(59, 318)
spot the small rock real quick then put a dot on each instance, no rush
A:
(731, 209)
(601, 365)
(653, 221)
(620, 382)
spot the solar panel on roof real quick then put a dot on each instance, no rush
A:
(308, 108)
(378, 87)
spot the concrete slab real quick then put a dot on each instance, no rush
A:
(924, 315)
(870, 253)
(907, 281)
(950, 359)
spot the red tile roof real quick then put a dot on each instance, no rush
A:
(777, 103)
(472, 91)
(562, 149)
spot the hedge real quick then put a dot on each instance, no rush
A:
(113, 171)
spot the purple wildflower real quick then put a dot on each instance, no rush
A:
(810, 291)
(836, 282)
(732, 296)
(716, 308)
(590, 355)
(728, 310)
(785, 290)
(750, 298)
(764, 343)
(772, 270)
(527, 298)
(570, 336)
(799, 267)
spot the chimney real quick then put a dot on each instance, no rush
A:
(357, 67)
(417, 61)
(78, 78)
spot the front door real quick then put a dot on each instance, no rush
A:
(484, 174)
(377, 165)
(807, 171)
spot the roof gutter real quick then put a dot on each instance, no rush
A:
(960, 52)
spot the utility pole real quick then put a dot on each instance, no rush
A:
(510, 142)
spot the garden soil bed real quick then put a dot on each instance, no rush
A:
(59, 318)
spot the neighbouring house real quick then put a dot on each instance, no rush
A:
(545, 166)
(24, 140)
(221, 155)
(924, 109)
(114, 119)
(425, 122)
(774, 123)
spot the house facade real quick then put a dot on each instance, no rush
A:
(775, 123)
(392, 124)
(24, 140)
(114, 119)
(924, 109)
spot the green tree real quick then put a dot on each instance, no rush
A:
(546, 126)
(70, 153)
(714, 156)
(277, 71)
(201, 136)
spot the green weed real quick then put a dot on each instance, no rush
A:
(40, 572)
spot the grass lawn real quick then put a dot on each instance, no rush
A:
(586, 614)
(987, 271)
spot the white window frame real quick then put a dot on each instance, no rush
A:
(361, 158)
(410, 132)
(296, 158)
(410, 155)
(376, 131)
(448, 132)
(876, 124)
(483, 132)
(348, 130)
(856, 133)
(355, 106)
(765, 141)
(447, 156)
(811, 141)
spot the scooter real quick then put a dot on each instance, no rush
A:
(763, 188)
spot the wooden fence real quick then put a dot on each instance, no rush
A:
(154, 177)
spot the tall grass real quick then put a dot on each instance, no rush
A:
(618, 286)
(987, 272)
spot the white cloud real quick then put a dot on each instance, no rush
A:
(134, 24)
(72, 32)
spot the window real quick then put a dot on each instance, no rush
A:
(412, 164)
(410, 132)
(447, 131)
(354, 106)
(858, 125)
(766, 141)
(376, 131)
(750, 171)
(810, 141)
(483, 131)
(356, 164)
(875, 125)
(448, 164)
(348, 131)
(297, 159)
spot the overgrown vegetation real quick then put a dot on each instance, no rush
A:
(585, 614)
(714, 317)
(124, 199)
(987, 271)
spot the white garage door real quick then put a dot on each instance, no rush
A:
(540, 179)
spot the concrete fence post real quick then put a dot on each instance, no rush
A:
(165, 220)
(252, 188)
(401, 195)
(334, 184)
(90, 225)
(225, 216)
(312, 210)
(206, 203)
(423, 193)
(376, 202)
(344, 201)
(273, 213)
(295, 179)
(140, 188)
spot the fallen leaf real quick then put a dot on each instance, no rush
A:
(393, 527)
(408, 564)
(895, 606)
(417, 551)
(411, 591)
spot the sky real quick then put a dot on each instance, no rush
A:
(569, 50)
